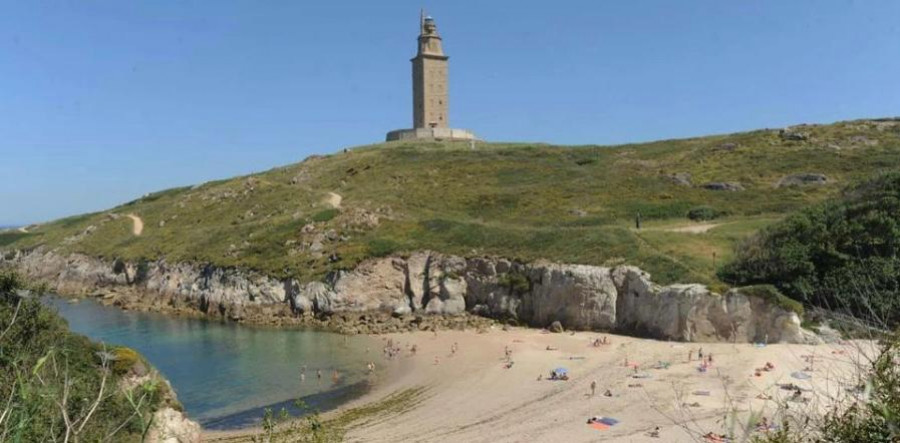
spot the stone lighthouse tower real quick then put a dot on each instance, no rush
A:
(429, 72)
(430, 90)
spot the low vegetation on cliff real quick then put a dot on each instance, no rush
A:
(524, 201)
(60, 386)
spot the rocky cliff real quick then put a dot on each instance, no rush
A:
(537, 294)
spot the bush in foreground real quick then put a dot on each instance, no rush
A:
(60, 386)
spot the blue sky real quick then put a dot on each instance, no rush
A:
(102, 101)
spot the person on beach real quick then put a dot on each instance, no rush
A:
(690, 355)
(607, 393)
(436, 360)
(302, 377)
(700, 353)
(655, 432)
(413, 350)
(335, 377)
(593, 387)
(709, 358)
(319, 374)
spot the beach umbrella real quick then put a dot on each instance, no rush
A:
(561, 371)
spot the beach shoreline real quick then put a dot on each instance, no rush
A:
(475, 394)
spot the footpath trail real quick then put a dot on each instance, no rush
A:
(138, 224)
(694, 229)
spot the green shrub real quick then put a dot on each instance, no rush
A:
(773, 295)
(382, 247)
(515, 281)
(702, 213)
(124, 360)
(45, 368)
(325, 215)
(842, 254)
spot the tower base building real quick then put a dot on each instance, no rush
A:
(430, 91)
(430, 134)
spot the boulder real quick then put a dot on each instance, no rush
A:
(171, 426)
(681, 178)
(803, 179)
(792, 135)
(556, 326)
(723, 186)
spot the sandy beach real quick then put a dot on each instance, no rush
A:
(472, 396)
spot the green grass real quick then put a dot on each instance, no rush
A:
(772, 294)
(523, 201)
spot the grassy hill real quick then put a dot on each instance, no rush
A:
(565, 203)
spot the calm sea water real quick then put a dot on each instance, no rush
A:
(226, 374)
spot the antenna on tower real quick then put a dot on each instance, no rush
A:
(422, 21)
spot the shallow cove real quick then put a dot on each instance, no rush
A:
(226, 374)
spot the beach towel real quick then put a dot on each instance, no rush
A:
(609, 421)
(801, 375)
(599, 426)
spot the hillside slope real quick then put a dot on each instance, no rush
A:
(525, 201)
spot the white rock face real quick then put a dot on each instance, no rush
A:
(171, 426)
(578, 296)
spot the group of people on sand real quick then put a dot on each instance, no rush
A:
(769, 367)
(597, 342)
(706, 361)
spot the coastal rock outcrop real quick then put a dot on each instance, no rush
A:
(579, 297)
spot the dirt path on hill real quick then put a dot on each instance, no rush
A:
(334, 200)
(138, 227)
(694, 229)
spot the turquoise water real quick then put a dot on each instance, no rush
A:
(226, 374)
